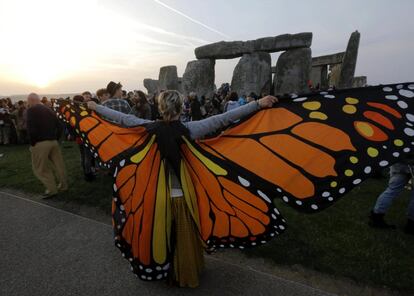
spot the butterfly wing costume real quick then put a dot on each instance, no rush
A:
(307, 152)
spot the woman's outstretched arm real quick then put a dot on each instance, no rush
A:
(199, 129)
(127, 120)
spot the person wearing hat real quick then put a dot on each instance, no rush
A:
(116, 102)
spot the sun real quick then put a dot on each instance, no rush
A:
(46, 46)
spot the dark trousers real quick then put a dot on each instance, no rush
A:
(87, 160)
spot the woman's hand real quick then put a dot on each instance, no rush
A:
(92, 105)
(267, 101)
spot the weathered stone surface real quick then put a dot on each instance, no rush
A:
(360, 81)
(151, 85)
(346, 77)
(293, 71)
(199, 77)
(168, 78)
(329, 59)
(253, 74)
(234, 49)
(333, 76)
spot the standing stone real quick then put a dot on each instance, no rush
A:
(180, 85)
(199, 77)
(253, 73)
(151, 85)
(349, 62)
(293, 71)
(168, 78)
(333, 76)
(360, 81)
(235, 49)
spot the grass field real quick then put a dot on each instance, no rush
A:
(336, 241)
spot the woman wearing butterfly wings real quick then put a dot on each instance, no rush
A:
(174, 194)
(159, 193)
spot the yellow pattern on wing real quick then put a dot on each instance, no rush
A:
(189, 193)
(137, 158)
(160, 232)
(216, 169)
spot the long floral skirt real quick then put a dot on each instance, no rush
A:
(188, 261)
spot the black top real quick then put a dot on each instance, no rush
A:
(195, 110)
(42, 124)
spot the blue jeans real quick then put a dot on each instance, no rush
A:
(395, 187)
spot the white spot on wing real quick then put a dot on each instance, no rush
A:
(383, 163)
(301, 99)
(409, 131)
(406, 93)
(244, 182)
(402, 104)
(264, 196)
(387, 88)
(391, 97)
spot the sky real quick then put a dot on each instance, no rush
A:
(59, 46)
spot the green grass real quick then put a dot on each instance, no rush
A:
(16, 173)
(336, 241)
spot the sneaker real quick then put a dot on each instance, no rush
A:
(409, 227)
(61, 188)
(377, 221)
(48, 195)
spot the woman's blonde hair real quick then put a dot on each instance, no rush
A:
(170, 104)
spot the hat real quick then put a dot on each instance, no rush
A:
(112, 87)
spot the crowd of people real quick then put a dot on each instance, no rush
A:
(14, 116)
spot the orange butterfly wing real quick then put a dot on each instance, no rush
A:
(228, 210)
(104, 139)
(311, 151)
(142, 212)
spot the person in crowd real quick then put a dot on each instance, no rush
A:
(251, 97)
(142, 108)
(5, 123)
(400, 175)
(46, 102)
(20, 119)
(87, 159)
(188, 257)
(195, 107)
(216, 102)
(87, 96)
(102, 94)
(116, 102)
(44, 129)
(232, 102)
(242, 100)
(153, 101)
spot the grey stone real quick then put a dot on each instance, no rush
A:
(234, 49)
(199, 77)
(360, 81)
(151, 85)
(253, 74)
(293, 71)
(168, 78)
(319, 75)
(349, 62)
(329, 59)
(333, 76)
